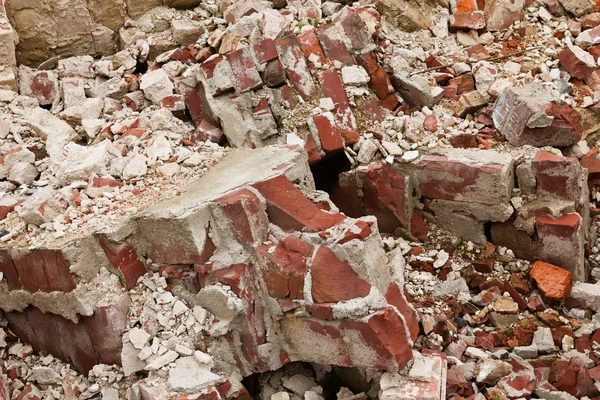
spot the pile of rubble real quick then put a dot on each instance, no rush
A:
(214, 199)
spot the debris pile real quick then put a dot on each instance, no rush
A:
(215, 199)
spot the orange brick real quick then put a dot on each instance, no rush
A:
(554, 282)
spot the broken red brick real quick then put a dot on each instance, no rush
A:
(330, 137)
(554, 282)
(334, 280)
(289, 209)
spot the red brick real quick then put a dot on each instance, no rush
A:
(239, 277)
(575, 379)
(334, 88)
(458, 179)
(478, 50)
(335, 49)
(46, 333)
(287, 268)
(372, 111)
(76, 344)
(245, 212)
(244, 69)
(207, 131)
(431, 123)
(265, 50)
(105, 328)
(464, 83)
(312, 149)
(289, 209)
(274, 74)
(591, 161)
(321, 311)
(515, 295)
(554, 282)
(507, 235)
(195, 101)
(557, 175)
(309, 43)
(297, 71)
(331, 140)
(380, 81)
(18, 323)
(467, 20)
(419, 227)
(43, 269)
(123, 257)
(5, 209)
(385, 193)
(360, 230)
(9, 271)
(44, 87)
(396, 298)
(561, 242)
(357, 32)
(334, 280)
(577, 65)
(391, 332)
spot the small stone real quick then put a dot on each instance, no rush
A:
(189, 376)
(506, 305)
(542, 339)
(410, 156)
(162, 360)
(156, 85)
(138, 337)
(477, 353)
(421, 369)
(355, 76)
(441, 259)
(526, 351)
(136, 168)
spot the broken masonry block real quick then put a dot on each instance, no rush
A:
(562, 243)
(528, 115)
(479, 176)
(501, 14)
(376, 190)
(296, 69)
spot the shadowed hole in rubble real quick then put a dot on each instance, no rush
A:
(327, 171)
(330, 378)
(487, 230)
(141, 68)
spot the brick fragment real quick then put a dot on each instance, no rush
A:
(333, 88)
(468, 20)
(309, 43)
(328, 133)
(332, 39)
(480, 176)
(245, 211)
(561, 242)
(579, 63)
(289, 209)
(292, 58)
(334, 280)
(244, 69)
(528, 115)
(555, 283)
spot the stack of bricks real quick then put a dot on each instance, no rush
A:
(318, 281)
(470, 191)
(248, 92)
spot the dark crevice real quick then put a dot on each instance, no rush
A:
(141, 68)
(327, 171)
(487, 230)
